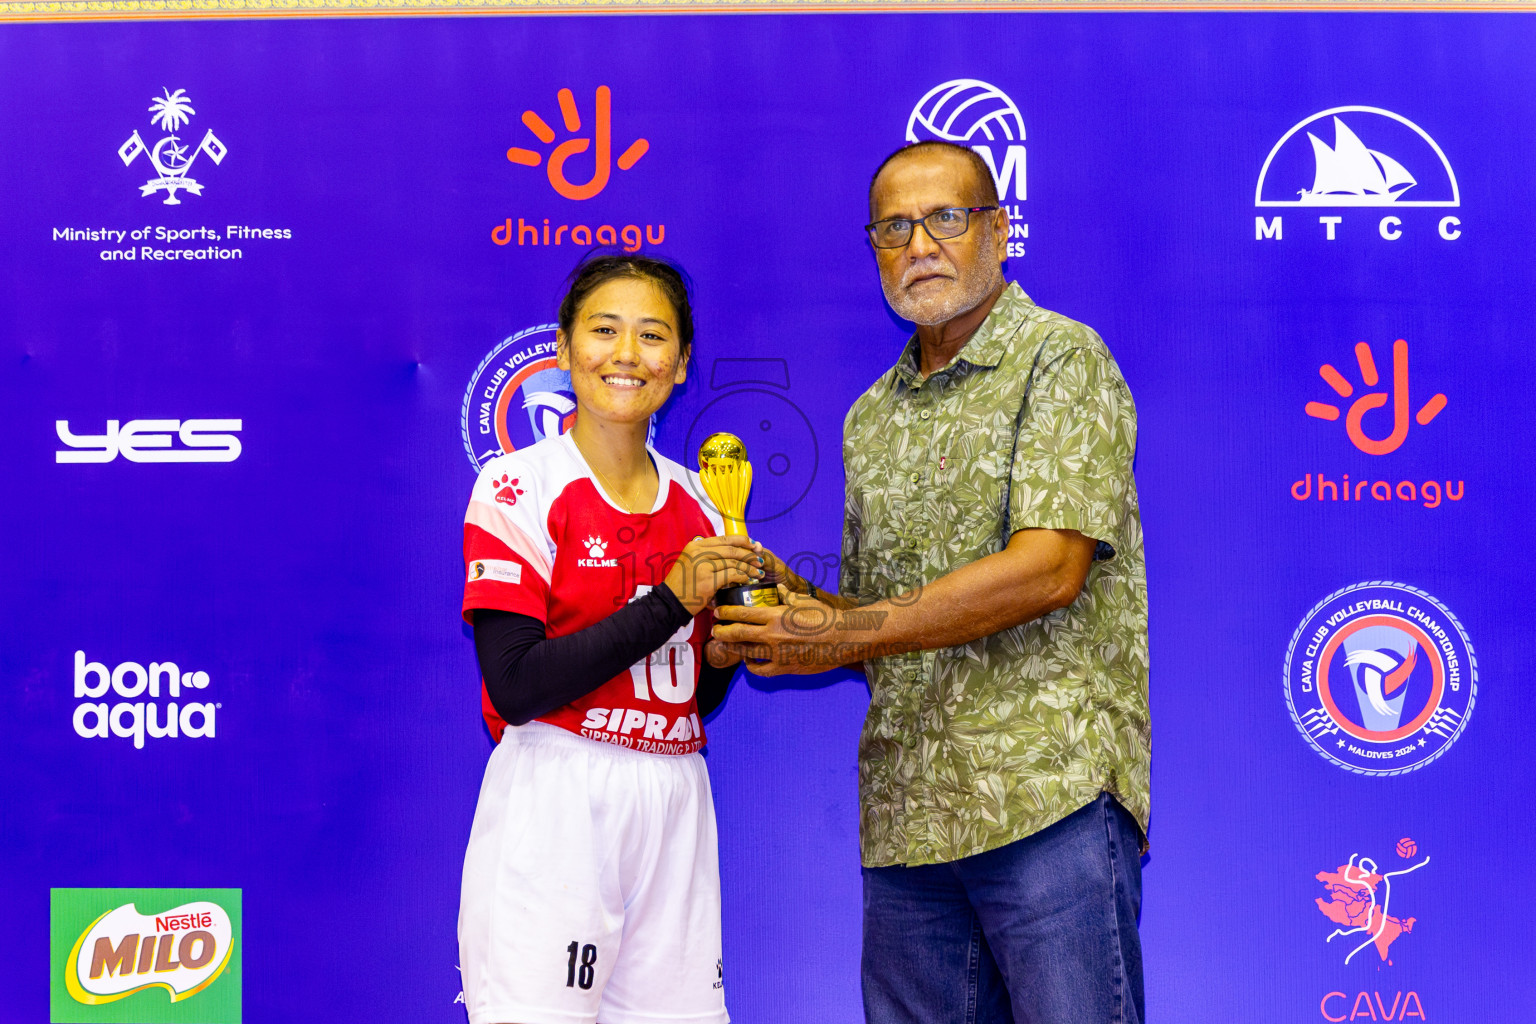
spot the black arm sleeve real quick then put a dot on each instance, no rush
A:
(713, 682)
(527, 674)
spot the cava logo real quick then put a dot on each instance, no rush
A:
(152, 441)
(1352, 157)
(981, 117)
(172, 158)
(1380, 678)
(142, 954)
(1358, 898)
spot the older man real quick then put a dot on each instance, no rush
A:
(993, 547)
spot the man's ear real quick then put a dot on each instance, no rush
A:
(563, 351)
(1000, 227)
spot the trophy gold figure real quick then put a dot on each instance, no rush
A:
(727, 478)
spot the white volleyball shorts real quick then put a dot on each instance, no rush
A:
(591, 887)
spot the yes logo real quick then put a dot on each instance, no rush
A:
(117, 954)
(151, 441)
(1354, 424)
(600, 143)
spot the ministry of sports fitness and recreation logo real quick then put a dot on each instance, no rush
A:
(981, 117)
(117, 954)
(518, 396)
(1380, 678)
(1357, 157)
(171, 157)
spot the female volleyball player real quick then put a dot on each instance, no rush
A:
(591, 884)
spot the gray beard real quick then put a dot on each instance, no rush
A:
(976, 285)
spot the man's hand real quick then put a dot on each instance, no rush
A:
(1040, 571)
(802, 636)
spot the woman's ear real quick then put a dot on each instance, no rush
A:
(681, 373)
(563, 351)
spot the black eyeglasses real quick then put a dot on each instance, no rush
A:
(895, 233)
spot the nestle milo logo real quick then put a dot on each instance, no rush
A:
(141, 954)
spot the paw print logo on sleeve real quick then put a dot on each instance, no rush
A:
(595, 547)
(507, 489)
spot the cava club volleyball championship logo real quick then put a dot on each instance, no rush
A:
(1380, 678)
(517, 397)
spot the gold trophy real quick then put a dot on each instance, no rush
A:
(727, 478)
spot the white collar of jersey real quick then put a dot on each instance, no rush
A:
(663, 477)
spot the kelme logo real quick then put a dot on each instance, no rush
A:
(145, 954)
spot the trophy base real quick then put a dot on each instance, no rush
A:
(753, 595)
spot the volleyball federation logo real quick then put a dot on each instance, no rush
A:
(1380, 678)
(517, 396)
(978, 115)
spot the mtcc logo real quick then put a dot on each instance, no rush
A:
(171, 158)
(980, 116)
(1356, 157)
(1395, 395)
(1380, 678)
(600, 142)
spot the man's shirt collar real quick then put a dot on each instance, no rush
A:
(987, 346)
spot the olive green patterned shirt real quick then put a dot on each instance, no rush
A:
(968, 748)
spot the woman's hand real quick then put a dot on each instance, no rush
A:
(709, 563)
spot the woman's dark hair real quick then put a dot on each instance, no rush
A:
(597, 271)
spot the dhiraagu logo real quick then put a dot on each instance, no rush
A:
(145, 954)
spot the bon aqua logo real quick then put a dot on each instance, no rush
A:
(588, 139)
(1378, 415)
(145, 954)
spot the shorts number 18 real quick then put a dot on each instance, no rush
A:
(580, 975)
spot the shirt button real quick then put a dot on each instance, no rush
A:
(914, 477)
(927, 413)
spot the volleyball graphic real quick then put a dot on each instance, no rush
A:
(1407, 848)
(965, 110)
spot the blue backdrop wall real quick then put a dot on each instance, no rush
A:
(243, 426)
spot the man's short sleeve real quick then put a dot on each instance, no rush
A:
(1072, 469)
(507, 558)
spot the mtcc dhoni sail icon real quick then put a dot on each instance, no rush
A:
(1359, 156)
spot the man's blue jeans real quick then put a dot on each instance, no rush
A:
(1041, 931)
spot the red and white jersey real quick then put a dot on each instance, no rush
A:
(541, 538)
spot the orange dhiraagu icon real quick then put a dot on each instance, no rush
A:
(1375, 400)
(600, 141)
